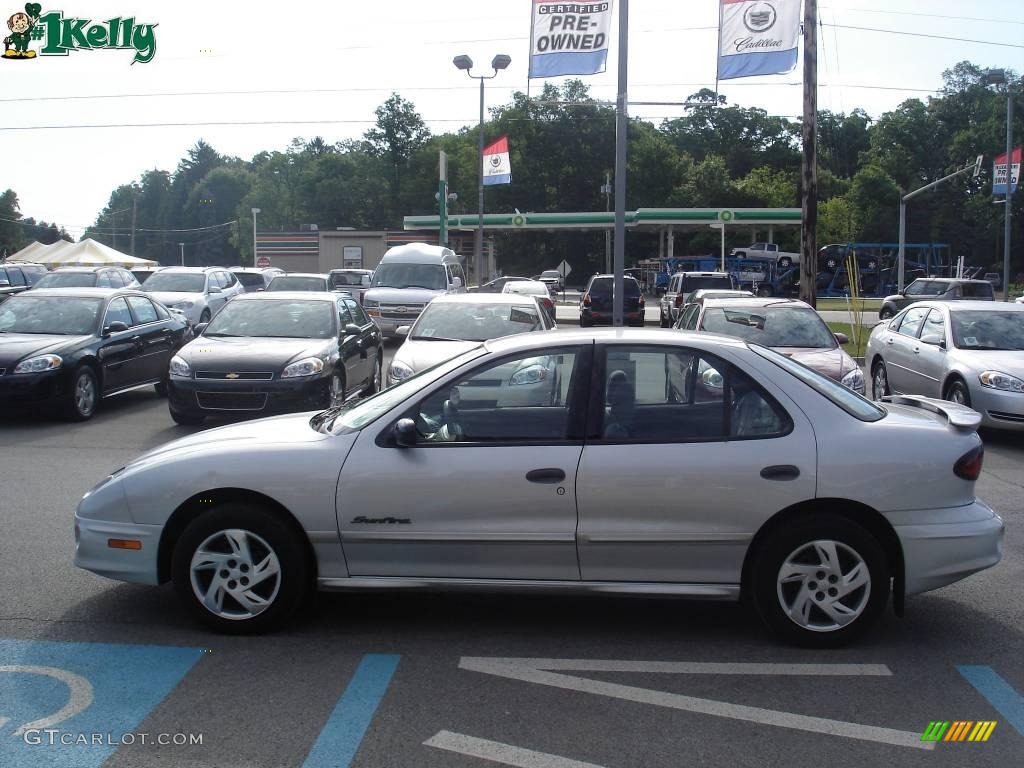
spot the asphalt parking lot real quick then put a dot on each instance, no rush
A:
(469, 680)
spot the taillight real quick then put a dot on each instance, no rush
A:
(548, 304)
(586, 300)
(968, 466)
(641, 302)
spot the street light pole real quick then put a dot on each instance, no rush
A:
(182, 246)
(606, 190)
(254, 212)
(463, 62)
(621, 127)
(1009, 192)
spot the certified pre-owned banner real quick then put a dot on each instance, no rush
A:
(569, 38)
(758, 37)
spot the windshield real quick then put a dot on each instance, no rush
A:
(176, 282)
(429, 276)
(67, 280)
(691, 284)
(988, 329)
(65, 315)
(295, 283)
(346, 278)
(854, 404)
(526, 288)
(771, 326)
(250, 279)
(475, 322)
(281, 319)
(365, 411)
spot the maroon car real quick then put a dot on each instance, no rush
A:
(787, 326)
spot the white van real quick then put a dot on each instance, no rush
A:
(407, 279)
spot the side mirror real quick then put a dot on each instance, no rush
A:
(115, 327)
(403, 330)
(198, 330)
(351, 329)
(405, 433)
(842, 338)
(260, 290)
(215, 289)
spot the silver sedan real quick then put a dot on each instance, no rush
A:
(969, 352)
(678, 464)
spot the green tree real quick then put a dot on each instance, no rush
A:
(12, 237)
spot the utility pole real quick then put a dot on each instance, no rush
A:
(1009, 190)
(809, 202)
(182, 246)
(135, 205)
(606, 190)
(621, 125)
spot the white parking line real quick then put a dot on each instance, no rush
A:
(496, 752)
(535, 671)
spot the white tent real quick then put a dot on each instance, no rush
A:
(32, 251)
(88, 253)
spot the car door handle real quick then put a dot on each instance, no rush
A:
(890, 340)
(917, 350)
(780, 472)
(549, 475)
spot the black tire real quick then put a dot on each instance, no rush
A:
(795, 542)
(342, 384)
(205, 317)
(831, 264)
(665, 322)
(584, 323)
(879, 381)
(161, 388)
(186, 418)
(78, 405)
(284, 593)
(958, 392)
(885, 313)
(377, 382)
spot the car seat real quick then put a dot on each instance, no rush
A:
(621, 398)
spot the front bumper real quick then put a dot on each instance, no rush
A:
(211, 397)
(998, 409)
(967, 540)
(93, 552)
(45, 388)
(389, 325)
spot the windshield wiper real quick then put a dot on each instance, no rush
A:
(435, 338)
(235, 335)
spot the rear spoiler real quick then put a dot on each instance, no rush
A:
(959, 416)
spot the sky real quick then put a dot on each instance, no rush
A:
(331, 63)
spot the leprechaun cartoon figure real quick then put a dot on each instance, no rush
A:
(21, 24)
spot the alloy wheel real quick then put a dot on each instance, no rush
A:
(824, 585)
(337, 391)
(235, 574)
(879, 383)
(85, 394)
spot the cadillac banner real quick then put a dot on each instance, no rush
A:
(569, 38)
(757, 37)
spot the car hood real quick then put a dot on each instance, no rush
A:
(420, 355)
(212, 353)
(292, 429)
(1008, 361)
(173, 297)
(17, 346)
(402, 295)
(834, 363)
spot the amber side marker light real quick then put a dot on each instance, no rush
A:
(124, 543)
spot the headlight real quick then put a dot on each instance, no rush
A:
(368, 303)
(306, 367)
(185, 304)
(399, 372)
(38, 364)
(532, 374)
(854, 380)
(180, 368)
(992, 379)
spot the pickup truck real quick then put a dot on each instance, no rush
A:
(767, 250)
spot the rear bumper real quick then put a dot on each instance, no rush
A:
(599, 317)
(969, 539)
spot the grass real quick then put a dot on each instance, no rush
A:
(852, 349)
(837, 305)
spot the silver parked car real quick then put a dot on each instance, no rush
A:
(666, 463)
(969, 352)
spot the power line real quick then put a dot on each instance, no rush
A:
(120, 230)
(922, 34)
(925, 15)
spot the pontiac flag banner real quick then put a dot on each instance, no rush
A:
(569, 38)
(757, 37)
(497, 168)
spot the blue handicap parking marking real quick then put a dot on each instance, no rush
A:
(343, 732)
(72, 704)
(1000, 694)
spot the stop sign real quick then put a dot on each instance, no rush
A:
(263, 262)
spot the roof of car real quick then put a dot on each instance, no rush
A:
(414, 253)
(526, 341)
(290, 295)
(257, 270)
(87, 269)
(194, 270)
(304, 274)
(352, 269)
(755, 301)
(22, 264)
(966, 306)
(697, 273)
(481, 298)
(84, 293)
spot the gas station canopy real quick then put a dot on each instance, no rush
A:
(642, 218)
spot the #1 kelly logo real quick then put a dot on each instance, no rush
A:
(61, 34)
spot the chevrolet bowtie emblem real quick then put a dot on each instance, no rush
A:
(231, 376)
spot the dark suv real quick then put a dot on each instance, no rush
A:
(936, 289)
(89, 277)
(16, 277)
(596, 302)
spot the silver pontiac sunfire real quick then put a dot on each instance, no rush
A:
(664, 463)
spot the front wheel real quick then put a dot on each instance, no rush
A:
(764, 291)
(584, 323)
(885, 313)
(957, 392)
(240, 569)
(785, 262)
(879, 381)
(83, 395)
(820, 581)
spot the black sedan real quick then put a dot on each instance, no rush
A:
(276, 352)
(71, 347)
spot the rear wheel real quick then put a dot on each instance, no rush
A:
(664, 320)
(584, 323)
(764, 291)
(879, 381)
(957, 392)
(336, 390)
(240, 569)
(820, 581)
(83, 395)
(785, 262)
(885, 313)
(378, 375)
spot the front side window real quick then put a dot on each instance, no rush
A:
(688, 320)
(654, 395)
(911, 323)
(934, 329)
(916, 288)
(118, 312)
(357, 312)
(523, 399)
(397, 275)
(976, 290)
(344, 316)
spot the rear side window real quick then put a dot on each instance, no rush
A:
(14, 276)
(977, 290)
